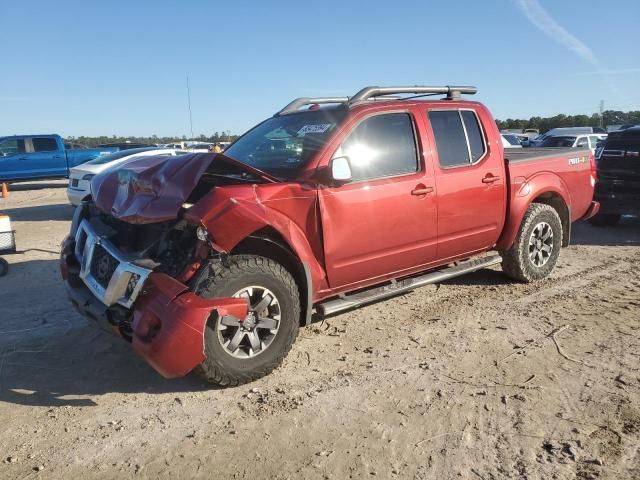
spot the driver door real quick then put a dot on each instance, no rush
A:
(383, 221)
(12, 156)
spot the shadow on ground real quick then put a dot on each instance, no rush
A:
(51, 356)
(41, 185)
(626, 233)
(40, 213)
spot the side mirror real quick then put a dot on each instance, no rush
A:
(340, 170)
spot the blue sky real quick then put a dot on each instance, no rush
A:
(120, 67)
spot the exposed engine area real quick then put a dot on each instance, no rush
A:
(165, 247)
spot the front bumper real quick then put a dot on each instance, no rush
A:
(165, 325)
(169, 323)
(76, 195)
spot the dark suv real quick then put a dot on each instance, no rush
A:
(618, 187)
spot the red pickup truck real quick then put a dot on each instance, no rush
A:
(212, 261)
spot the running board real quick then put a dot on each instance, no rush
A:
(347, 302)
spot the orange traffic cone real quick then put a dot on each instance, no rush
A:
(5, 190)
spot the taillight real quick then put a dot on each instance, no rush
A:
(594, 169)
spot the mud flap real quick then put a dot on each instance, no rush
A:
(169, 323)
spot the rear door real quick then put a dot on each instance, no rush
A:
(470, 182)
(384, 221)
(45, 157)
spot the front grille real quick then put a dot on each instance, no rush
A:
(110, 276)
(103, 266)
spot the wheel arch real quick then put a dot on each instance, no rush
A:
(268, 242)
(555, 201)
(544, 188)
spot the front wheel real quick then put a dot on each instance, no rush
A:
(535, 251)
(242, 350)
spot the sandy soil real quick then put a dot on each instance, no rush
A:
(462, 380)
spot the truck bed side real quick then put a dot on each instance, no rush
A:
(561, 177)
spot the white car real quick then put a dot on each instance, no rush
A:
(590, 141)
(509, 140)
(80, 177)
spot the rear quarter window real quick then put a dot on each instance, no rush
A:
(459, 137)
(44, 144)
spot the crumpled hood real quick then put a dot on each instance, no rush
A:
(152, 189)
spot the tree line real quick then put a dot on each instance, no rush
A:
(88, 141)
(609, 117)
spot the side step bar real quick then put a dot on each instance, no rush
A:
(347, 302)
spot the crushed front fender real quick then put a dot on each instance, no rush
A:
(169, 324)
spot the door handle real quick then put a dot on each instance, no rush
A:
(489, 178)
(421, 190)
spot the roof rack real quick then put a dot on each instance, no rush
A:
(302, 101)
(452, 92)
(369, 93)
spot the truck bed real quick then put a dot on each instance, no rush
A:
(514, 155)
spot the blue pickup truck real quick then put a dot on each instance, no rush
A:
(31, 157)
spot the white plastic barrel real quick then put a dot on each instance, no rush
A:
(5, 226)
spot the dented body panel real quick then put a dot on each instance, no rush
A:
(231, 214)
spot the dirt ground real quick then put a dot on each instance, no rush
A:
(465, 380)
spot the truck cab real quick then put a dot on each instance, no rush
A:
(32, 156)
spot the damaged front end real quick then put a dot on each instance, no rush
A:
(130, 258)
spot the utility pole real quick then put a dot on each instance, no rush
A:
(189, 104)
(601, 112)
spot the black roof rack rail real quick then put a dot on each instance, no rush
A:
(452, 92)
(302, 101)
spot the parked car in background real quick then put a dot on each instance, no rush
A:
(618, 185)
(38, 157)
(198, 146)
(510, 141)
(213, 261)
(126, 145)
(580, 141)
(80, 177)
(566, 131)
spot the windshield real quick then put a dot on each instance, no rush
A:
(101, 160)
(558, 142)
(283, 145)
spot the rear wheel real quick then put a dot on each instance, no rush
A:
(537, 246)
(605, 219)
(242, 350)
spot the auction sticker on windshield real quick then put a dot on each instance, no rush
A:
(317, 128)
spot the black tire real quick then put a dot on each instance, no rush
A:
(605, 219)
(4, 267)
(242, 271)
(516, 261)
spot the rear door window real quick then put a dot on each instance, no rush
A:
(474, 135)
(459, 137)
(44, 144)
